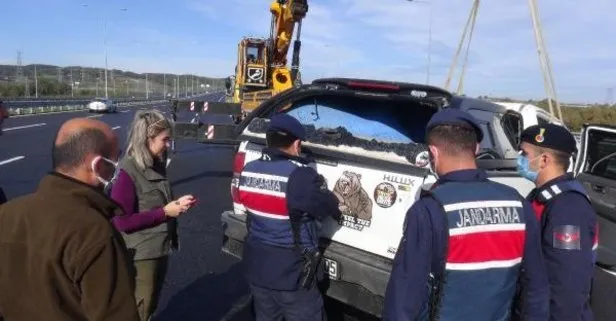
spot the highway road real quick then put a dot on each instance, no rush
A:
(202, 283)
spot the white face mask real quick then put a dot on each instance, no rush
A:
(106, 183)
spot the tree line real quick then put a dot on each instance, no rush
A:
(574, 118)
(46, 87)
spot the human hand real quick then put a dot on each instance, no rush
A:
(188, 200)
(179, 206)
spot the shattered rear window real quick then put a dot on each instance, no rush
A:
(386, 121)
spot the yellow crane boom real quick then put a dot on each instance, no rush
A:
(262, 69)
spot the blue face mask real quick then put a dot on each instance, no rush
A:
(524, 169)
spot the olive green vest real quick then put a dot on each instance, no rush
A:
(152, 189)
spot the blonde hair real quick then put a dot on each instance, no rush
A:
(146, 124)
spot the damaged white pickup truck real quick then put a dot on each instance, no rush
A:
(367, 139)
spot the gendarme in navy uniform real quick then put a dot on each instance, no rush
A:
(568, 224)
(284, 199)
(466, 240)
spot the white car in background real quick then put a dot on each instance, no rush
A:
(102, 105)
(531, 114)
(534, 115)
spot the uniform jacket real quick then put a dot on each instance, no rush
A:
(274, 189)
(470, 237)
(60, 257)
(569, 240)
(152, 191)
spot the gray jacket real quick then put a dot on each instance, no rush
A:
(152, 190)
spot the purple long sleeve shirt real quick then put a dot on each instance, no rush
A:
(123, 192)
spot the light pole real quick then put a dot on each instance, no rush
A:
(147, 91)
(72, 84)
(429, 3)
(35, 83)
(105, 44)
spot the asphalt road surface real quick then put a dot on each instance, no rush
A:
(202, 283)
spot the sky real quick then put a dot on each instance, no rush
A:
(372, 39)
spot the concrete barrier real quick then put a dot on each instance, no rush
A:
(71, 107)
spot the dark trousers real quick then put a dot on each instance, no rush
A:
(300, 305)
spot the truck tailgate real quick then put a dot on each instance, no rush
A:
(373, 203)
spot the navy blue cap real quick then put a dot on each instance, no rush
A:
(452, 116)
(287, 124)
(550, 136)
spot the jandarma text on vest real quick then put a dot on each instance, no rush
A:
(473, 216)
(263, 182)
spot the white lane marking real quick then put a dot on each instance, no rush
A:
(10, 160)
(124, 111)
(608, 271)
(95, 116)
(221, 98)
(25, 126)
(168, 162)
(117, 127)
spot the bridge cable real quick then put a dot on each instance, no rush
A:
(457, 55)
(544, 60)
(474, 12)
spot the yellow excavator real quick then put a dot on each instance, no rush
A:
(261, 71)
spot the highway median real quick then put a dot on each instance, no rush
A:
(35, 110)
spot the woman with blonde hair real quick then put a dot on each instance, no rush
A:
(148, 225)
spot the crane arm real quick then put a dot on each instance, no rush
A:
(285, 14)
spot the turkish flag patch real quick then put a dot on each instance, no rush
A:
(566, 237)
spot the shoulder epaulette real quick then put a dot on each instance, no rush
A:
(549, 192)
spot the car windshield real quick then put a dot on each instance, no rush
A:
(386, 121)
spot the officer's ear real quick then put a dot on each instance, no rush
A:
(547, 158)
(433, 151)
(297, 144)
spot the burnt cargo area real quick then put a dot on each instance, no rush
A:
(340, 136)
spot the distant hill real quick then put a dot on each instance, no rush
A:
(56, 81)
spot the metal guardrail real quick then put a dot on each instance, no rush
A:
(51, 102)
(74, 107)
(17, 102)
(68, 98)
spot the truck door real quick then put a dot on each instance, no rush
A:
(596, 169)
